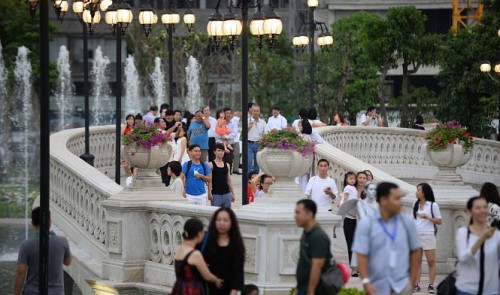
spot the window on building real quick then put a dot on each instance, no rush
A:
(438, 20)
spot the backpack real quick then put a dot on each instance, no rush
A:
(432, 215)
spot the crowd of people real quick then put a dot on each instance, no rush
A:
(385, 246)
(206, 149)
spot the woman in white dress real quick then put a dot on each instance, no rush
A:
(181, 144)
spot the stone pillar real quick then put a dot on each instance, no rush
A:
(128, 240)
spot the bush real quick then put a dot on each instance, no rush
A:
(351, 291)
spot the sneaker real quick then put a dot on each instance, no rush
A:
(430, 289)
(416, 288)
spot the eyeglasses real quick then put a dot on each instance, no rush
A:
(268, 183)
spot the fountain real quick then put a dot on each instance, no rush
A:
(132, 100)
(100, 87)
(158, 80)
(22, 74)
(193, 97)
(64, 90)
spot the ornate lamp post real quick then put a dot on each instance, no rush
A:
(61, 7)
(170, 17)
(229, 28)
(486, 68)
(44, 141)
(118, 17)
(88, 15)
(324, 41)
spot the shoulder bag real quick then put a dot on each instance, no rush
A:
(331, 280)
(447, 286)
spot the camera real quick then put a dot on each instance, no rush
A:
(495, 223)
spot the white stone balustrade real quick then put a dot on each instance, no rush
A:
(101, 144)
(77, 191)
(342, 162)
(399, 152)
(126, 239)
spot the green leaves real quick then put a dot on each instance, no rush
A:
(467, 94)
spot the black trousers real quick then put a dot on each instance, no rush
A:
(211, 149)
(228, 158)
(349, 229)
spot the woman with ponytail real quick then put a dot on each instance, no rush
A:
(190, 268)
(427, 215)
(478, 252)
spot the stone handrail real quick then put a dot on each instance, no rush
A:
(77, 189)
(399, 152)
(102, 146)
(342, 162)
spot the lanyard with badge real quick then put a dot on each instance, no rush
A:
(392, 236)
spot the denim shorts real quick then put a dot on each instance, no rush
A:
(222, 200)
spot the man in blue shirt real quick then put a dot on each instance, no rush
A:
(198, 133)
(386, 245)
(194, 175)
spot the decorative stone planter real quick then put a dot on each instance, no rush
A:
(284, 166)
(147, 161)
(447, 161)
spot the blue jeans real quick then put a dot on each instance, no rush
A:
(222, 200)
(463, 293)
(253, 148)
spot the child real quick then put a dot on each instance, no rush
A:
(350, 192)
(222, 130)
(174, 170)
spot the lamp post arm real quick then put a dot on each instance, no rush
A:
(493, 78)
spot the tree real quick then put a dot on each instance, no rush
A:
(16, 30)
(271, 75)
(412, 46)
(468, 95)
(381, 51)
(345, 75)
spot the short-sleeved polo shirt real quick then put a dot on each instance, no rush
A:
(373, 240)
(315, 244)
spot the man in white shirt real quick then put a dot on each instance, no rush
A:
(256, 128)
(371, 118)
(151, 115)
(322, 188)
(211, 132)
(276, 121)
(233, 157)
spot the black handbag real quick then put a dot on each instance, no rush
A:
(331, 280)
(447, 286)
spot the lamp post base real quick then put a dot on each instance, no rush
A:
(89, 158)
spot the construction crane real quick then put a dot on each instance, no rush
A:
(466, 13)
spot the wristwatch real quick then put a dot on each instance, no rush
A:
(365, 281)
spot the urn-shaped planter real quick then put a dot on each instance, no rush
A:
(284, 165)
(447, 161)
(147, 161)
